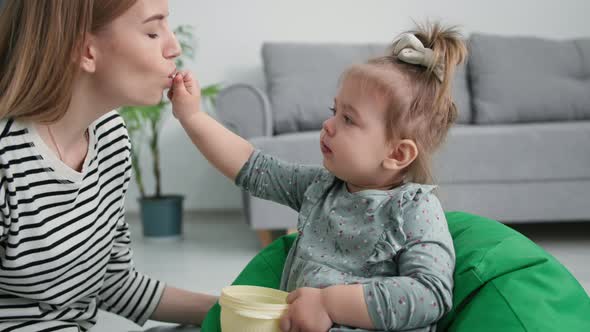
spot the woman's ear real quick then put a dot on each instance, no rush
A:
(401, 155)
(88, 54)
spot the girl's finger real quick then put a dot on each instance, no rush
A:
(189, 83)
(285, 323)
(292, 296)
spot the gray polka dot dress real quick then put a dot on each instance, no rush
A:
(395, 243)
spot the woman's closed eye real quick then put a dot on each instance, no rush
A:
(153, 35)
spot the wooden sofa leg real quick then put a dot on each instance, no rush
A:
(265, 237)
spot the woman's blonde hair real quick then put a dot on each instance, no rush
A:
(40, 44)
(419, 105)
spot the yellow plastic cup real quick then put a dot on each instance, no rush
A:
(251, 309)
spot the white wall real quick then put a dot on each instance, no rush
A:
(230, 33)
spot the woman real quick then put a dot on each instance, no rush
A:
(65, 161)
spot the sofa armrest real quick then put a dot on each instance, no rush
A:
(245, 110)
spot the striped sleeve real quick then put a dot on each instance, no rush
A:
(127, 292)
(4, 197)
(4, 212)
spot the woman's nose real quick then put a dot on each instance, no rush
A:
(173, 49)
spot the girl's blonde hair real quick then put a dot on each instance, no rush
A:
(40, 44)
(419, 105)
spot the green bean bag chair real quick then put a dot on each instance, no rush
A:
(503, 281)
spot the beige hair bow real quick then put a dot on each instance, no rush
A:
(408, 48)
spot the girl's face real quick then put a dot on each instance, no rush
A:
(353, 141)
(135, 55)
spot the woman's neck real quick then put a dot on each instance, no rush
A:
(85, 107)
(68, 136)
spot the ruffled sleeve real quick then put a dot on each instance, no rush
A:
(417, 242)
(394, 237)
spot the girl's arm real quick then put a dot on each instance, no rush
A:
(227, 151)
(346, 305)
(264, 177)
(313, 309)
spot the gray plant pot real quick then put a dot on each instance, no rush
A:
(161, 217)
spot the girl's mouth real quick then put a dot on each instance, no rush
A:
(325, 149)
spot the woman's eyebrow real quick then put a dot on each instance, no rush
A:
(155, 18)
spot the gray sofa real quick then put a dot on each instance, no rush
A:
(519, 153)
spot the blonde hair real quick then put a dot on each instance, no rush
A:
(419, 106)
(40, 44)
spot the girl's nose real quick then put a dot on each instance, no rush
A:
(328, 126)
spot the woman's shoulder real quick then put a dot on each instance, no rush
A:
(110, 121)
(110, 127)
(11, 132)
(5, 125)
(110, 131)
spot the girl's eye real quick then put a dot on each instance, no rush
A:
(347, 120)
(153, 35)
(333, 110)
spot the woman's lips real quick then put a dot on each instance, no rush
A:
(171, 78)
(173, 73)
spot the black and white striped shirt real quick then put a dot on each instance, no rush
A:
(64, 242)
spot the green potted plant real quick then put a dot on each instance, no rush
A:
(161, 214)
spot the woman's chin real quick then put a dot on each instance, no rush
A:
(153, 101)
(157, 98)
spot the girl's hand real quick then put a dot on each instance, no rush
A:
(185, 95)
(307, 312)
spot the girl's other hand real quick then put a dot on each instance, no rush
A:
(307, 312)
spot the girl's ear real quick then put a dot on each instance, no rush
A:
(401, 155)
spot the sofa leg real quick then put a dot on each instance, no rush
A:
(265, 237)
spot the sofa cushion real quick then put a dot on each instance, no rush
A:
(515, 153)
(461, 95)
(302, 80)
(519, 79)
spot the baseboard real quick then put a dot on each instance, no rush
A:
(202, 215)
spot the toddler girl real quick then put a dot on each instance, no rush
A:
(373, 251)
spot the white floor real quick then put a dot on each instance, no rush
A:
(216, 247)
